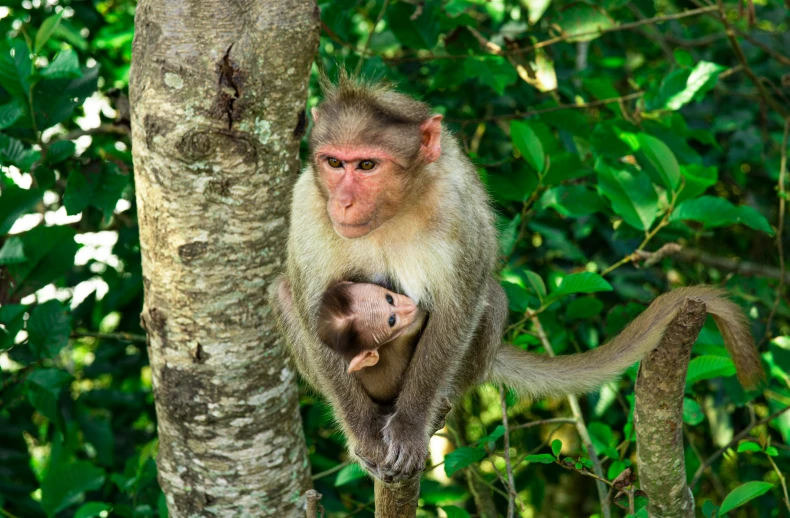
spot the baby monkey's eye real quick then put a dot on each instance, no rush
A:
(392, 321)
(389, 299)
(367, 165)
(334, 162)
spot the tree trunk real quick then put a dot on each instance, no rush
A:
(218, 93)
(658, 416)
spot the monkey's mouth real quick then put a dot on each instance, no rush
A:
(352, 230)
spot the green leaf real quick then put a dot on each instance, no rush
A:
(536, 282)
(563, 167)
(631, 193)
(584, 282)
(10, 113)
(60, 151)
(517, 296)
(46, 30)
(718, 212)
(680, 87)
(507, 235)
(615, 469)
(683, 58)
(494, 71)
(13, 152)
(12, 318)
(659, 161)
(349, 473)
(611, 139)
(707, 367)
(583, 307)
(54, 100)
(92, 510)
(50, 254)
(742, 494)
(43, 389)
(100, 187)
(462, 458)
(692, 413)
(556, 447)
(436, 493)
(420, 33)
(455, 512)
(15, 70)
(698, 179)
(572, 200)
(48, 329)
(749, 446)
(603, 438)
(65, 483)
(14, 202)
(528, 144)
(66, 65)
(543, 458)
(12, 251)
(708, 509)
(494, 436)
(582, 22)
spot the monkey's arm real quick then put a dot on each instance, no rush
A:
(360, 417)
(431, 375)
(536, 375)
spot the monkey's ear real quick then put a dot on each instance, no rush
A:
(362, 360)
(431, 130)
(314, 113)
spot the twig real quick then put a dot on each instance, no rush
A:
(313, 509)
(780, 228)
(581, 427)
(523, 115)
(736, 47)
(328, 472)
(7, 514)
(781, 480)
(370, 37)
(127, 337)
(743, 433)
(569, 420)
(564, 37)
(511, 481)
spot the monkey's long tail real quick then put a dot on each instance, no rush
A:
(535, 375)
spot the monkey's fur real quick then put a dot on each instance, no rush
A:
(425, 226)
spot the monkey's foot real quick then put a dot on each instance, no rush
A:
(407, 450)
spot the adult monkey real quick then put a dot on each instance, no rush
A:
(388, 197)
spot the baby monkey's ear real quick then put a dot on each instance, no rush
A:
(363, 359)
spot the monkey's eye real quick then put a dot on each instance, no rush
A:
(389, 299)
(367, 165)
(392, 321)
(334, 162)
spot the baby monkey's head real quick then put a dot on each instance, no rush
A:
(355, 319)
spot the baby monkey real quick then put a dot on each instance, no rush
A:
(375, 330)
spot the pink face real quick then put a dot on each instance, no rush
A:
(366, 184)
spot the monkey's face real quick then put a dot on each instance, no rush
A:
(364, 187)
(380, 316)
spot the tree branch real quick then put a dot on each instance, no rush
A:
(780, 227)
(658, 415)
(125, 337)
(398, 499)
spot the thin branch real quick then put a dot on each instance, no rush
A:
(743, 433)
(530, 113)
(736, 47)
(781, 480)
(780, 228)
(568, 420)
(370, 37)
(126, 337)
(581, 428)
(511, 481)
(328, 472)
(313, 509)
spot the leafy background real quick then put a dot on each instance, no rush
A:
(604, 131)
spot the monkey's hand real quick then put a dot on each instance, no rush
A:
(407, 449)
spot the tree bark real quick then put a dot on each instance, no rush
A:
(218, 94)
(397, 500)
(658, 416)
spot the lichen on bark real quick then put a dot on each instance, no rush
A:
(214, 114)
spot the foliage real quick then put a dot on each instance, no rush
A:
(601, 136)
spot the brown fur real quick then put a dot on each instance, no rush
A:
(439, 249)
